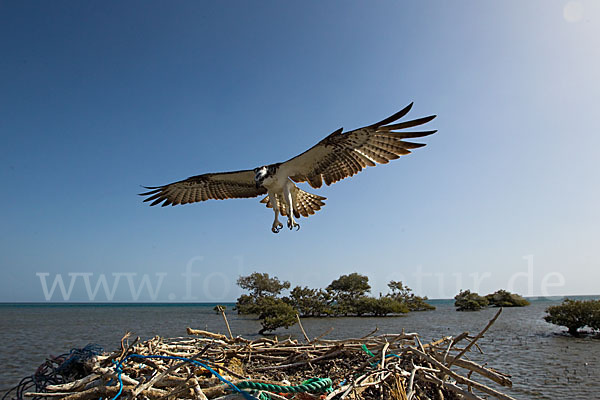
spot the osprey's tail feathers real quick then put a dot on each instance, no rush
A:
(305, 203)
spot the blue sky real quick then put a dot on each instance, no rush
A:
(100, 97)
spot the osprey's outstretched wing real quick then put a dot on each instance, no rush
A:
(341, 155)
(219, 186)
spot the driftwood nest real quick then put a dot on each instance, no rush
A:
(377, 366)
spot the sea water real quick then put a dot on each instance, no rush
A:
(545, 363)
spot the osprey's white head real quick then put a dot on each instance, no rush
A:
(264, 172)
(260, 173)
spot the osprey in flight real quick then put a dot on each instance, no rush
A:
(338, 156)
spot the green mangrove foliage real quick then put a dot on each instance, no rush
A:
(470, 301)
(262, 285)
(465, 300)
(403, 294)
(275, 313)
(347, 292)
(345, 296)
(503, 298)
(575, 314)
(379, 307)
(310, 302)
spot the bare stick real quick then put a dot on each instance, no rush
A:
(461, 379)
(474, 367)
(479, 335)
(222, 310)
(451, 387)
(322, 335)
(211, 335)
(372, 333)
(297, 364)
(302, 328)
(76, 385)
(160, 376)
(383, 351)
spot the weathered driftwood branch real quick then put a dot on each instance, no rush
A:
(221, 309)
(461, 379)
(75, 385)
(479, 335)
(302, 328)
(495, 376)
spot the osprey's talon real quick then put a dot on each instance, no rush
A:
(291, 225)
(276, 227)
